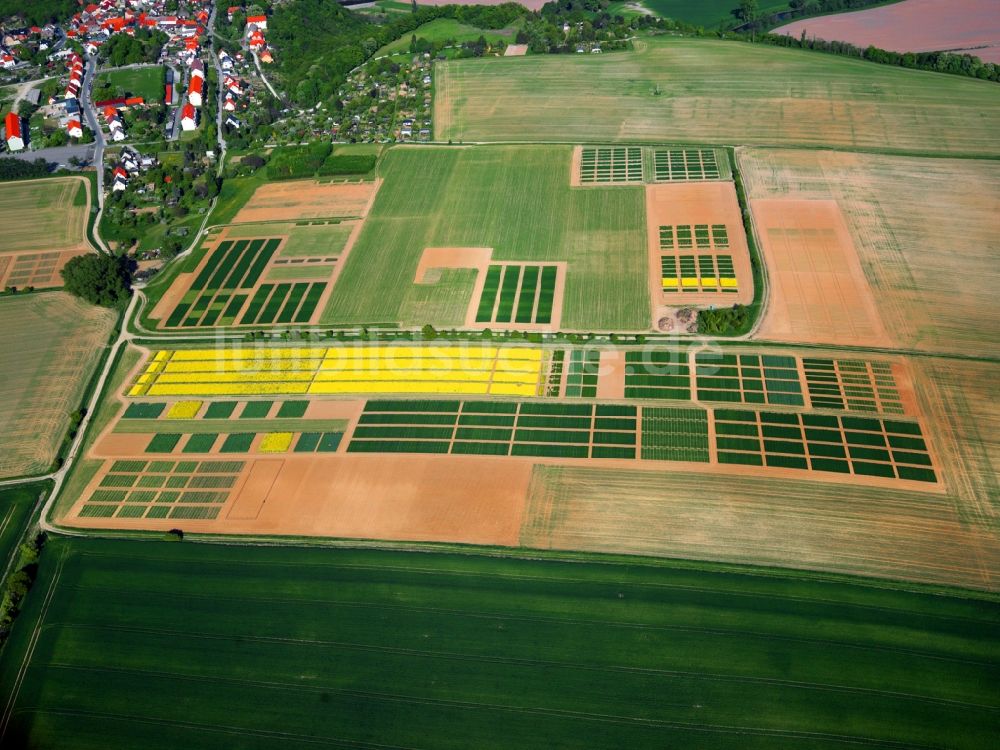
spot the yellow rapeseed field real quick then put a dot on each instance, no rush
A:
(411, 369)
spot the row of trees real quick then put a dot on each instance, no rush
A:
(17, 169)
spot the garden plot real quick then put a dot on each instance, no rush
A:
(819, 291)
(673, 164)
(234, 284)
(749, 379)
(45, 224)
(521, 296)
(51, 344)
(853, 385)
(497, 429)
(408, 498)
(607, 165)
(697, 247)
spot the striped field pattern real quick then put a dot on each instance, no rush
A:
(488, 370)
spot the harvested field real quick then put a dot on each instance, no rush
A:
(819, 291)
(52, 343)
(514, 199)
(968, 26)
(697, 247)
(307, 199)
(928, 252)
(714, 92)
(45, 224)
(862, 531)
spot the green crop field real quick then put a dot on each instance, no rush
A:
(317, 241)
(514, 199)
(707, 13)
(443, 30)
(709, 91)
(145, 82)
(16, 504)
(259, 647)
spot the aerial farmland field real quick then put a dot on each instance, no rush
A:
(213, 643)
(52, 342)
(680, 90)
(928, 253)
(45, 224)
(969, 26)
(653, 404)
(515, 200)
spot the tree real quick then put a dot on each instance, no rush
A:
(100, 279)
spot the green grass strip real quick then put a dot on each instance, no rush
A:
(209, 268)
(484, 314)
(311, 300)
(226, 267)
(163, 443)
(546, 295)
(292, 303)
(307, 442)
(177, 315)
(233, 309)
(200, 426)
(220, 410)
(260, 264)
(256, 410)
(238, 442)
(508, 291)
(270, 310)
(243, 265)
(259, 298)
(526, 299)
(292, 409)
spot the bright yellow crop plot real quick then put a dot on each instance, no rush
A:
(184, 410)
(413, 369)
(276, 442)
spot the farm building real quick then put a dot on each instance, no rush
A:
(15, 136)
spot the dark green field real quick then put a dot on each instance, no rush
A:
(15, 507)
(159, 645)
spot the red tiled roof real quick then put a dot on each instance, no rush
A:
(13, 124)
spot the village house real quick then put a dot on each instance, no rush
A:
(189, 117)
(14, 134)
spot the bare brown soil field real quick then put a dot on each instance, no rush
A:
(926, 232)
(51, 343)
(403, 498)
(690, 204)
(971, 26)
(819, 293)
(307, 199)
(42, 230)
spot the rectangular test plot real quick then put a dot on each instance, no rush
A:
(517, 293)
